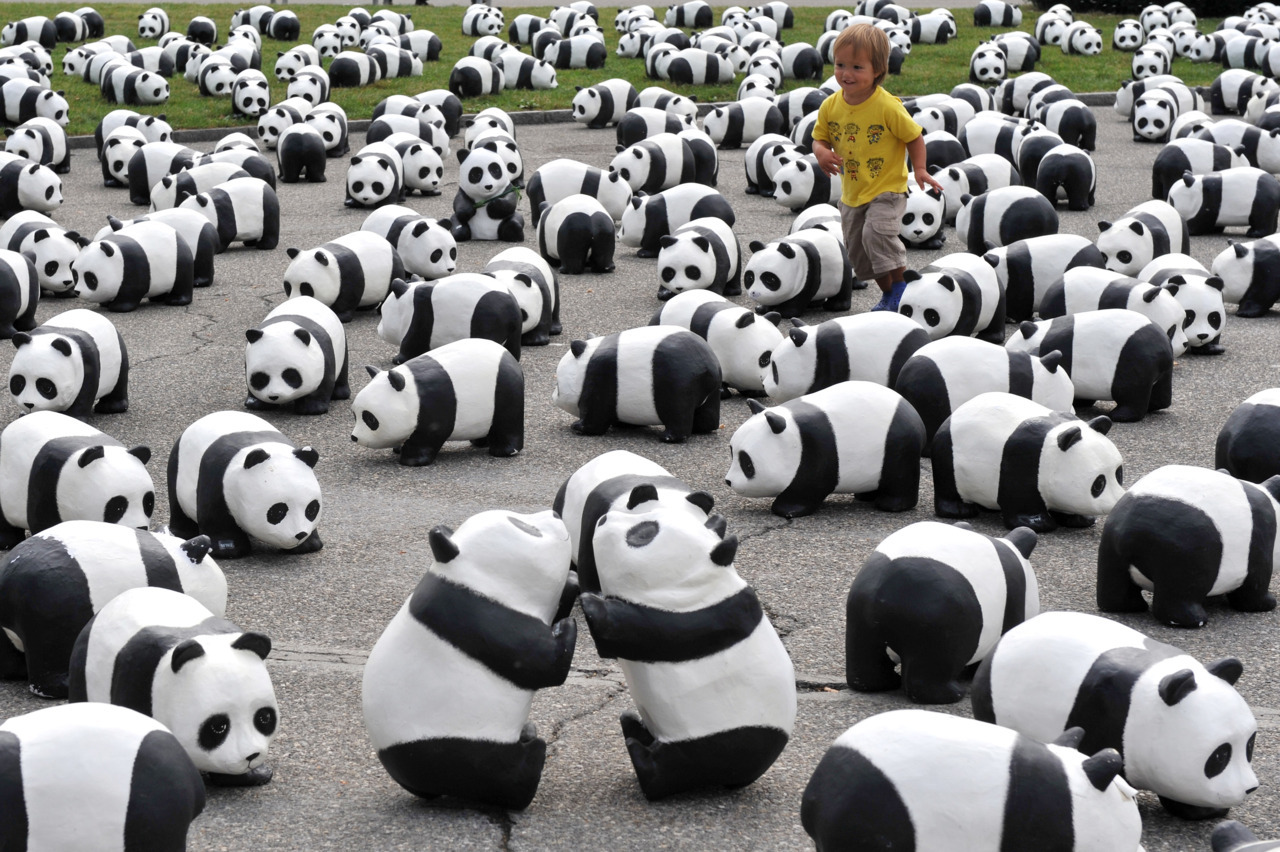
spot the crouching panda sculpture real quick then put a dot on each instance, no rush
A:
(76, 363)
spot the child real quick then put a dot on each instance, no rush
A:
(863, 131)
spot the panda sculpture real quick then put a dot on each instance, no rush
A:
(1232, 836)
(649, 218)
(296, 357)
(351, 272)
(173, 189)
(1185, 534)
(116, 153)
(50, 246)
(375, 177)
(352, 69)
(52, 583)
(485, 622)
(574, 232)
(972, 176)
(702, 254)
(536, 289)
(331, 121)
(932, 777)
(193, 229)
(1154, 112)
(988, 65)
(147, 260)
(422, 316)
(1002, 216)
(996, 13)
(1113, 353)
(1070, 171)
(1183, 730)
(130, 778)
(1088, 289)
(659, 162)
(468, 390)
(53, 468)
(426, 247)
(1198, 156)
(1145, 232)
(935, 598)
(233, 477)
(734, 124)
(561, 178)
(301, 148)
(484, 207)
(27, 185)
(959, 294)
(807, 269)
(944, 374)
(743, 343)
(222, 708)
(243, 210)
(868, 347)
(1236, 196)
(19, 293)
(617, 378)
(22, 99)
(1247, 444)
(853, 437)
(922, 220)
(801, 184)
(474, 76)
(1200, 295)
(674, 613)
(604, 104)
(1027, 268)
(75, 363)
(1248, 273)
(43, 141)
(1039, 468)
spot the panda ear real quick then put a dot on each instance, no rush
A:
(184, 652)
(197, 548)
(399, 287)
(1137, 228)
(1171, 286)
(755, 245)
(59, 344)
(1102, 768)
(92, 454)
(396, 380)
(1052, 360)
(255, 457)
(307, 456)
(1177, 686)
(253, 335)
(442, 546)
(1228, 669)
(1215, 282)
(108, 249)
(577, 347)
(255, 642)
(292, 252)
(20, 339)
(722, 554)
(462, 155)
(910, 275)
(777, 423)
(1188, 179)
(1240, 249)
(755, 406)
(1152, 294)
(774, 317)
(786, 250)
(322, 258)
(717, 524)
(303, 335)
(798, 336)
(947, 282)
(1023, 539)
(642, 494)
(1068, 437)
(667, 241)
(1100, 424)
(1028, 329)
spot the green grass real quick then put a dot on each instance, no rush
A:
(930, 68)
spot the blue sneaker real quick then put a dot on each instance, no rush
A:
(883, 304)
(894, 296)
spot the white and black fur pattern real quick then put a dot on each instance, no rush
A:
(173, 189)
(75, 363)
(695, 66)
(1027, 268)
(78, 753)
(733, 124)
(424, 316)
(959, 294)
(931, 29)
(375, 177)
(1183, 730)
(803, 270)
(923, 219)
(1261, 147)
(988, 64)
(701, 254)
(1154, 113)
(351, 69)
(146, 260)
(1122, 356)
(1232, 836)
(1001, 216)
(936, 597)
(484, 206)
(481, 20)
(37, 28)
(743, 342)
(196, 231)
(801, 183)
(1231, 90)
(758, 180)
(1070, 171)
(996, 13)
(916, 765)
(644, 122)
(58, 469)
(1072, 120)
(394, 62)
(536, 288)
(1245, 447)
(294, 60)
(853, 437)
(243, 210)
(1185, 534)
(137, 653)
(649, 218)
(311, 83)
(298, 355)
(19, 293)
(43, 141)
(26, 185)
(347, 273)
(426, 247)
(1198, 156)
(695, 14)
(50, 246)
(574, 230)
(125, 84)
(214, 489)
(973, 176)
(153, 161)
(1021, 50)
(1244, 195)
(467, 627)
(300, 148)
(1088, 289)
(526, 72)
(582, 51)
(1144, 233)
(864, 347)
(473, 76)
(561, 178)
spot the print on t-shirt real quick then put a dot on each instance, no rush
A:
(873, 133)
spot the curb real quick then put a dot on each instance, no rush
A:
(519, 117)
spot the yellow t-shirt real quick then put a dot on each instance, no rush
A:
(872, 140)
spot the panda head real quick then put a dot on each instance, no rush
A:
(933, 300)
(586, 105)
(1081, 471)
(386, 410)
(25, 142)
(686, 261)
(119, 148)
(314, 273)
(53, 105)
(98, 271)
(764, 452)
(775, 272)
(505, 147)
(47, 372)
(152, 24)
(520, 561)
(526, 292)
(1087, 41)
(1161, 306)
(792, 364)
(214, 693)
(397, 310)
(51, 251)
(1126, 246)
(482, 126)
(433, 244)
(1201, 300)
(987, 65)
(1050, 29)
(423, 168)
(151, 88)
(666, 558)
(251, 97)
(543, 75)
(372, 179)
(1153, 18)
(272, 492)
(107, 483)
(327, 42)
(348, 30)
(309, 87)
(1148, 63)
(155, 129)
(1187, 195)
(798, 182)
(571, 374)
(282, 362)
(329, 125)
(1153, 116)
(218, 78)
(483, 174)
(289, 64)
(923, 216)
(1204, 747)
(1128, 35)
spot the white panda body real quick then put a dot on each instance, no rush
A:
(50, 246)
(80, 357)
(536, 288)
(561, 178)
(375, 176)
(243, 210)
(26, 185)
(1145, 232)
(1238, 196)
(959, 294)
(1089, 289)
(1005, 215)
(799, 271)
(649, 218)
(605, 103)
(43, 141)
(347, 273)
(173, 189)
(702, 254)
(146, 260)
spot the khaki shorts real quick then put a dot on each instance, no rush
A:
(871, 235)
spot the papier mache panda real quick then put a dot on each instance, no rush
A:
(76, 363)
(298, 356)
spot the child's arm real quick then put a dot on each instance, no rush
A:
(916, 151)
(828, 160)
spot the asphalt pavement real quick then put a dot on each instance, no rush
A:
(325, 610)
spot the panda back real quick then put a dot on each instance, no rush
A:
(208, 445)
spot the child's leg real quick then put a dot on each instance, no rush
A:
(852, 222)
(885, 250)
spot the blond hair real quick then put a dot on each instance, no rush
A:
(867, 41)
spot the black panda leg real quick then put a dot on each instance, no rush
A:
(314, 403)
(512, 229)
(342, 379)
(947, 502)
(421, 448)
(706, 417)
(270, 222)
(227, 544)
(504, 775)
(732, 758)
(931, 677)
(994, 332)
(1162, 392)
(10, 536)
(116, 400)
(868, 667)
(506, 432)
(602, 252)
(13, 663)
(1185, 811)
(1254, 594)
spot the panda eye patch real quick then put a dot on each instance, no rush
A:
(765, 359)
(931, 317)
(436, 255)
(51, 267)
(927, 218)
(668, 274)
(908, 218)
(46, 388)
(1124, 256)
(214, 731)
(693, 273)
(369, 420)
(292, 378)
(115, 509)
(1218, 761)
(1215, 319)
(149, 503)
(1248, 747)
(276, 513)
(1120, 475)
(744, 462)
(453, 254)
(377, 188)
(1099, 485)
(1190, 318)
(259, 380)
(16, 384)
(265, 721)
(313, 510)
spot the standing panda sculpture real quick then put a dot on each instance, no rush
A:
(129, 777)
(1186, 534)
(76, 363)
(575, 231)
(53, 582)
(164, 654)
(959, 295)
(1002, 216)
(1243, 195)
(931, 778)
(804, 270)
(1181, 727)
(50, 246)
(243, 210)
(484, 625)
(605, 103)
(854, 437)
(233, 477)
(297, 356)
(1248, 446)
(1039, 468)
(703, 254)
(536, 288)
(346, 274)
(649, 218)
(53, 468)
(468, 390)
(649, 376)
(935, 598)
(713, 685)
(422, 316)
(743, 342)
(1145, 232)
(1248, 273)
(426, 246)
(1027, 268)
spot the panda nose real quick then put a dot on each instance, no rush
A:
(31, 405)
(727, 482)
(300, 536)
(251, 758)
(353, 437)
(275, 396)
(1251, 789)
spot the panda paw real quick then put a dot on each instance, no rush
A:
(1074, 521)
(1207, 349)
(252, 403)
(1251, 601)
(255, 777)
(954, 509)
(1185, 811)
